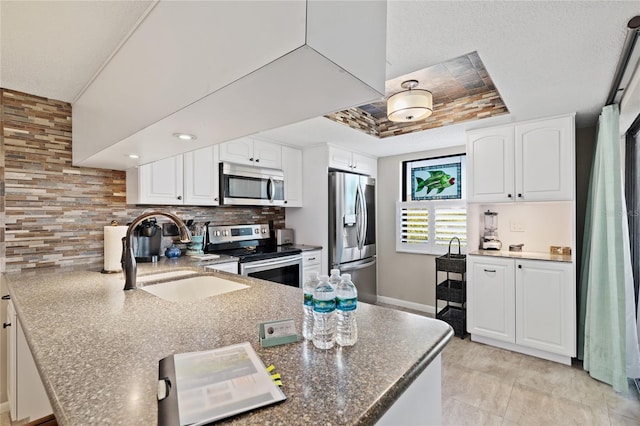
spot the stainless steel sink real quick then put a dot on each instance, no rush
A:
(190, 288)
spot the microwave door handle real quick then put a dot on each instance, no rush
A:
(270, 189)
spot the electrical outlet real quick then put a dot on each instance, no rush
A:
(517, 226)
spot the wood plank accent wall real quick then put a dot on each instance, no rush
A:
(53, 213)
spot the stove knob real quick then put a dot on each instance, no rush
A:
(264, 230)
(226, 233)
(217, 233)
(256, 231)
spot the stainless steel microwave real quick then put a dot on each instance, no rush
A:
(251, 186)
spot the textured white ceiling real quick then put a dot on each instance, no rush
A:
(545, 58)
(54, 48)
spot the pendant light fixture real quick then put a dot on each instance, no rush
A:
(411, 104)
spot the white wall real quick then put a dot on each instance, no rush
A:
(405, 277)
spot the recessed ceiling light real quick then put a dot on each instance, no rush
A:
(134, 156)
(185, 136)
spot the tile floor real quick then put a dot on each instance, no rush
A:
(483, 385)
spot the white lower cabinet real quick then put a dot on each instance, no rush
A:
(226, 267)
(28, 399)
(311, 262)
(529, 305)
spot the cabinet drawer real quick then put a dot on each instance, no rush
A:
(311, 259)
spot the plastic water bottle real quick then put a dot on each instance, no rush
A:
(324, 314)
(334, 278)
(346, 306)
(308, 289)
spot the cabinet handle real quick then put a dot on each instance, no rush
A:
(179, 197)
(251, 159)
(489, 270)
(519, 266)
(508, 195)
(285, 201)
(6, 324)
(311, 258)
(257, 160)
(6, 297)
(519, 195)
(215, 199)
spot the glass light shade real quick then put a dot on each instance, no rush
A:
(410, 105)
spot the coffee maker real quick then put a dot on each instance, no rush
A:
(147, 241)
(490, 239)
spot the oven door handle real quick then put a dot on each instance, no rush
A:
(272, 262)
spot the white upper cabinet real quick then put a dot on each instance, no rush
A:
(201, 177)
(343, 159)
(532, 161)
(544, 159)
(292, 168)
(189, 179)
(252, 152)
(283, 62)
(161, 182)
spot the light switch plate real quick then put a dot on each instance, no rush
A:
(517, 226)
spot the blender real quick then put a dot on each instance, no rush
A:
(490, 239)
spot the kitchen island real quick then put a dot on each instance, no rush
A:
(97, 348)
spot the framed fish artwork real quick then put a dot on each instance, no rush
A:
(436, 178)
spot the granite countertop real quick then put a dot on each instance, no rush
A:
(532, 255)
(97, 347)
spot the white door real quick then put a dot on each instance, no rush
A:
(545, 306)
(544, 160)
(491, 297)
(490, 168)
(201, 187)
(267, 154)
(161, 182)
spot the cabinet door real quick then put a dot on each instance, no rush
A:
(292, 168)
(339, 159)
(364, 165)
(490, 168)
(267, 154)
(311, 262)
(491, 298)
(27, 395)
(201, 177)
(226, 267)
(545, 306)
(238, 151)
(161, 182)
(544, 160)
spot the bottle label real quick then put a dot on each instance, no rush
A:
(324, 306)
(308, 299)
(346, 305)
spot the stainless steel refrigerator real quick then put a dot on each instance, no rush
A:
(352, 230)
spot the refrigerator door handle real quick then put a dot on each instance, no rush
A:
(363, 212)
(347, 268)
(360, 216)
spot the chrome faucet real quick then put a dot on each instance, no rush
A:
(129, 265)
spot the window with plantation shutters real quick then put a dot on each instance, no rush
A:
(428, 226)
(433, 208)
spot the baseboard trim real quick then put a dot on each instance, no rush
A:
(4, 407)
(562, 359)
(409, 305)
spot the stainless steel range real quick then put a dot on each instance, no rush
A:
(258, 255)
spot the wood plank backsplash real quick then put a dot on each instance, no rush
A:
(52, 213)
